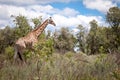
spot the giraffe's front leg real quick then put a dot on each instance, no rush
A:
(32, 48)
(34, 44)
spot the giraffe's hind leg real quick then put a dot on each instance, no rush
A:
(20, 57)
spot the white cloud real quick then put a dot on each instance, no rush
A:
(67, 17)
(69, 12)
(13, 10)
(50, 10)
(63, 21)
(100, 5)
(39, 8)
(3, 12)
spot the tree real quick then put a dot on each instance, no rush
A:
(22, 26)
(107, 39)
(6, 38)
(113, 18)
(64, 40)
(37, 21)
(81, 37)
(92, 39)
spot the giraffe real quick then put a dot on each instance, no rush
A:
(30, 39)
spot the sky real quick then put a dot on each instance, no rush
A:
(65, 13)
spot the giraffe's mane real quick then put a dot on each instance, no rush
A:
(39, 26)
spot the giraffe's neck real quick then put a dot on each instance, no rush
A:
(40, 28)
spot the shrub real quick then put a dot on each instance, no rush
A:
(62, 67)
(9, 52)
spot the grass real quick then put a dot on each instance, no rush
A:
(62, 67)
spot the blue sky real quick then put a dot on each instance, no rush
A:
(65, 13)
(77, 5)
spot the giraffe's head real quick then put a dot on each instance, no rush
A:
(50, 21)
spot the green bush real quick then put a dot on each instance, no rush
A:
(9, 52)
(44, 48)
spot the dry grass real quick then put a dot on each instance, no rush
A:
(62, 67)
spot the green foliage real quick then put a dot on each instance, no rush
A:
(22, 26)
(102, 50)
(44, 48)
(81, 36)
(93, 38)
(9, 52)
(6, 38)
(37, 21)
(99, 39)
(113, 18)
(64, 40)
